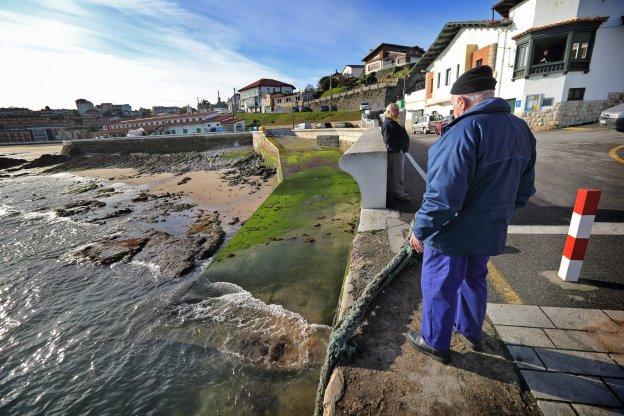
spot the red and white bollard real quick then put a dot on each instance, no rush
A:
(581, 224)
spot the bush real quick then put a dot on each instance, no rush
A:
(370, 78)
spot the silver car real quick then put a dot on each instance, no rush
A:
(613, 117)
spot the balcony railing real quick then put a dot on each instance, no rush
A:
(537, 69)
(546, 68)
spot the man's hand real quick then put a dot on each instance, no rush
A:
(416, 244)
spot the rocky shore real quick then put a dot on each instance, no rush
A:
(171, 219)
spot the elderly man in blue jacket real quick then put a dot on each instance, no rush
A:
(479, 172)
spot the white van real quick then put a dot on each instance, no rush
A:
(426, 124)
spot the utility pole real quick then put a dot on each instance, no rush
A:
(234, 102)
(331, 93)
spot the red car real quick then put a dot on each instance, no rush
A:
(440, 125)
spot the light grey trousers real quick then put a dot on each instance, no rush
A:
(396, 162)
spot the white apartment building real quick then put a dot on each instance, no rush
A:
(352, 70)
(179, 124)
(251, 95)
(556, 61)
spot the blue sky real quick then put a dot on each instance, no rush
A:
(165, 52)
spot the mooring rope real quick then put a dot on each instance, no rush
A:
(339, 347)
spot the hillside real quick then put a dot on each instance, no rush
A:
(287, 118)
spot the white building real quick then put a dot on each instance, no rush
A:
(555, 61)
(251, 95)
(179, 124)
(352, 70)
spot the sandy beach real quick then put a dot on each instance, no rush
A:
(206, 189)
(30, 152)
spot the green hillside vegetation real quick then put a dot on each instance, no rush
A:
(287, 118)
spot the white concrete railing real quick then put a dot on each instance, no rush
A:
(367, 161)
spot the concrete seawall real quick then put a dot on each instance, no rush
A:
(166, 144)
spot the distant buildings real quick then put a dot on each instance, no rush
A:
(161, 109)
(83, 106)
(233, 103)
(178, 124)
(285, 103)
(251, 95)
(388, 55)
(352, 70)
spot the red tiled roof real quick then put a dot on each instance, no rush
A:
(577, 20)
(408, 50)
(266, 82)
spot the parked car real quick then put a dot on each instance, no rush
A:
(327, 126)
(613, 117)
(295, 109)
(440, 127)
(334, 108)
(306, 109)
(365, 106)
(324, 108)
(426, 124)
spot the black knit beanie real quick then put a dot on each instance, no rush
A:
(473, 80)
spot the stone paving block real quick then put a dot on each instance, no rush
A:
(579, 362)
(581, 319)
(587, 341)
(555, 408)
(569, 388)
(518, 315)
(617, 385)
(372, 219)
(525, 357)
(586, 410)
(397, 235)
(530, 337)
(617, 316)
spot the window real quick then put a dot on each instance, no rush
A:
(439, 79)
(479, 62)
(548, 102)
(447, 78)
(457, 75)
(521, 54)
(576, 94)
(185, 131)
(548, 50)
(198, 130)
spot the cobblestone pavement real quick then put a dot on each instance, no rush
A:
(571, 359)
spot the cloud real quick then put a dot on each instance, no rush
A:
(139, 52)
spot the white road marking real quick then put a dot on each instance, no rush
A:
(421, 172)
(599, 228)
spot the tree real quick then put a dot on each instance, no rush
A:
(309, 88)
(323, 83)
(203, 105)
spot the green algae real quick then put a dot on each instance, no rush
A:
(293, 250)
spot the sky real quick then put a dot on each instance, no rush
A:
(167, 52)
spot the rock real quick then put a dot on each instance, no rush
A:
(184, 180)
(181, 207)
(9, 162)
(106, 191)
(112, 250)
(235, 220)
(142, 197)
(208, 228)
(46, 160)
(79, 207)
(85, 188)
(114, 214)
(174, 256)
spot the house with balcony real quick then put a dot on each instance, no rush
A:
(251, 95)
(555, 62)
(388, 55)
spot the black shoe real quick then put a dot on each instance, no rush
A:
(477, 346)
(419, 343)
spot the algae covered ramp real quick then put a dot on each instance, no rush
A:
(293, 250)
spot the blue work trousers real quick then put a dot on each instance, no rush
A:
(454, 291)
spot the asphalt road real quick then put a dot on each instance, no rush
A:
(567, 159)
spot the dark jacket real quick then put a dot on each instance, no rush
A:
(394, 136)
(479, 172)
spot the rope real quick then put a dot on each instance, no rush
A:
(339, 346)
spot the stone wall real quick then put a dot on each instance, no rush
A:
(269, 151)
(161, 144)
(346, 136)
(377, 95)
(570, 113)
